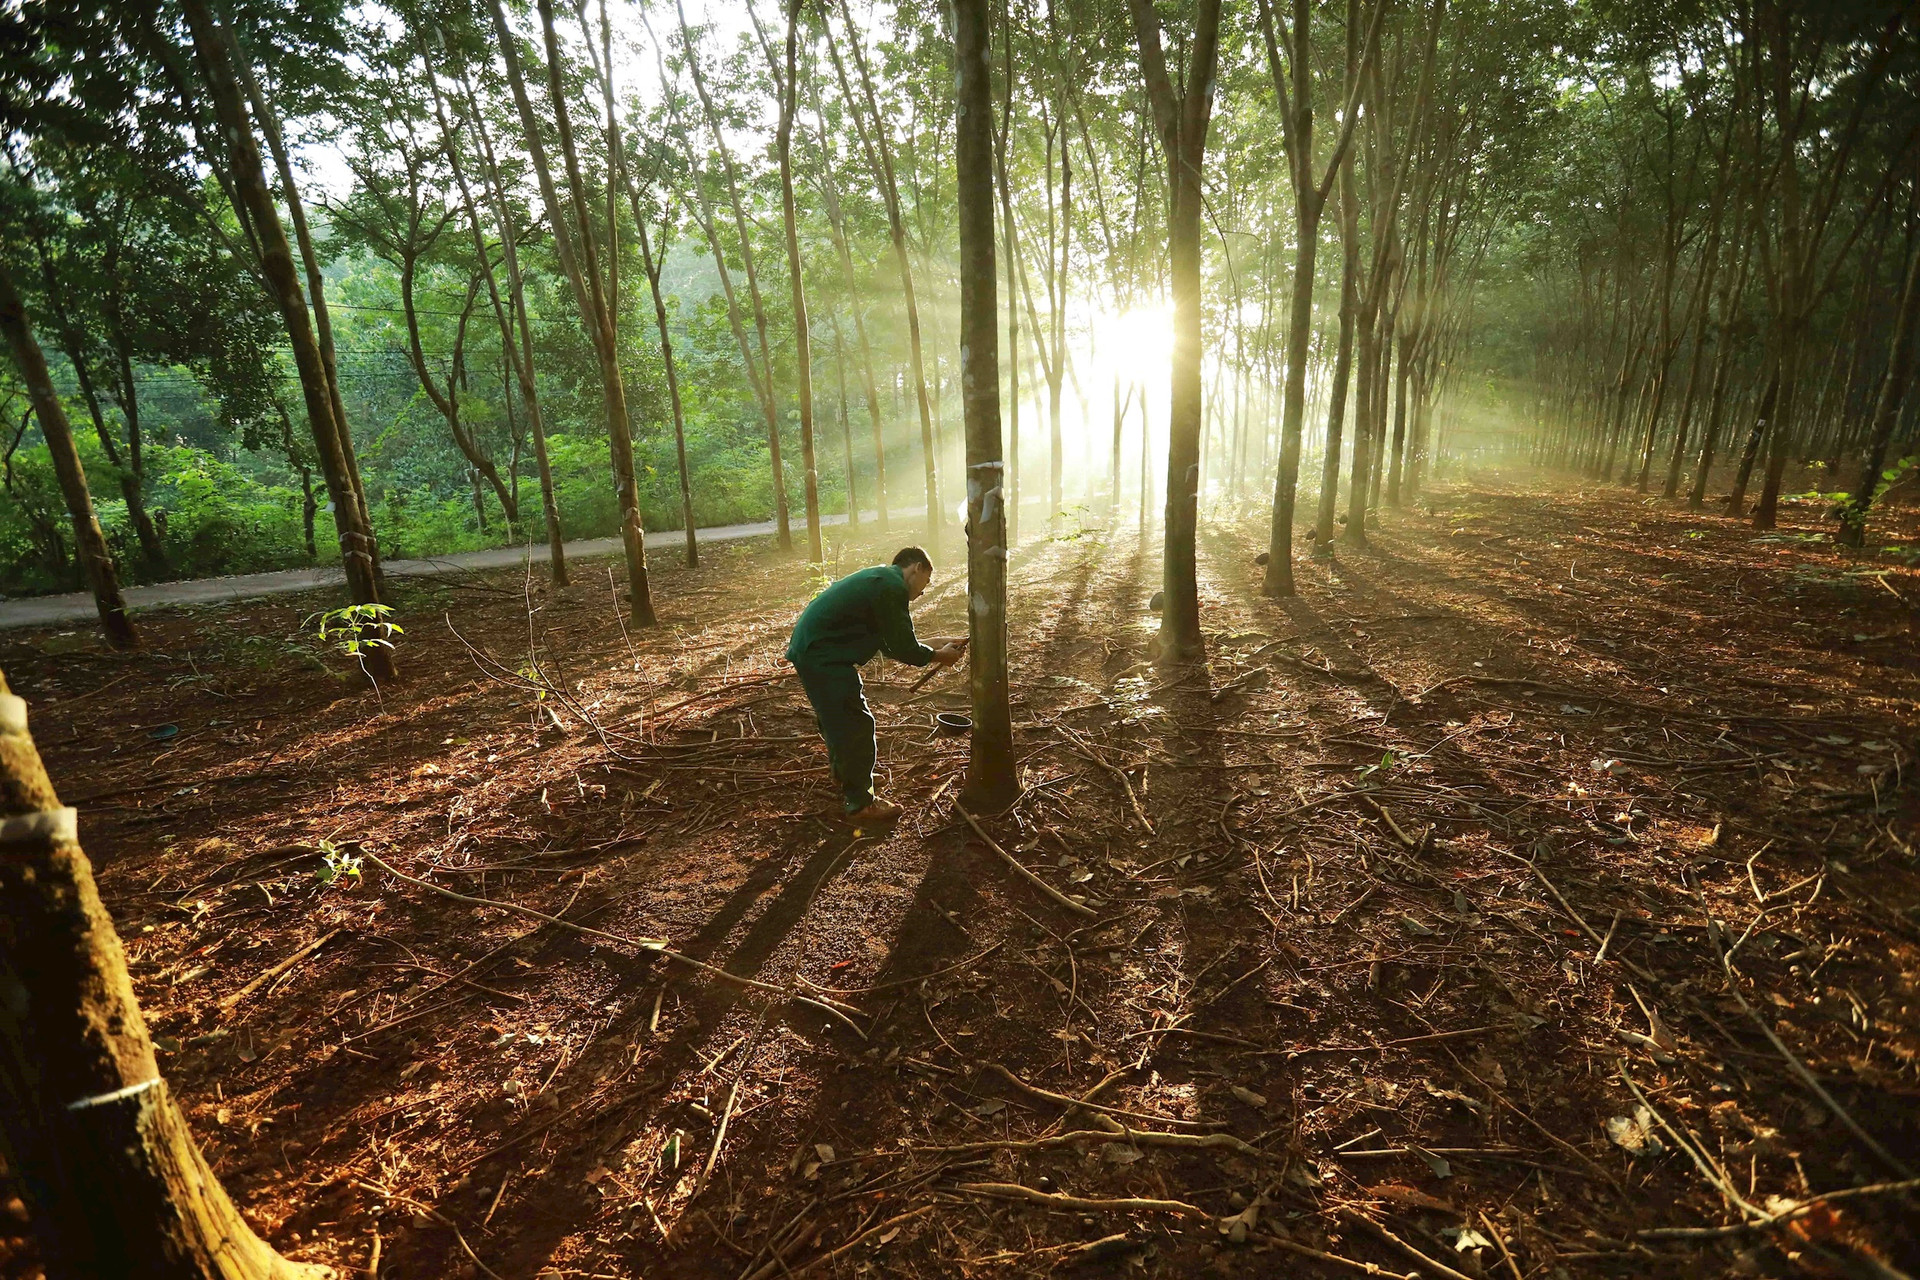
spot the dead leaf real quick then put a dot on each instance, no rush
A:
(1454, 1095)
(1437, 1163)
(1634, 1134)
(1119, 1153)
(1412, 1197)
(1248, 1096)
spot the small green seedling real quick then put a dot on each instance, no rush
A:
(357, 630)
(336, 864)
(1387, 762)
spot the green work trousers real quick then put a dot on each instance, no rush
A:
(840, 707)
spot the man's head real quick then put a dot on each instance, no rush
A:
(914, 566)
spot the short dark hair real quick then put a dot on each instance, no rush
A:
(906, 557)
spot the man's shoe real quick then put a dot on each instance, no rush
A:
(878, 811)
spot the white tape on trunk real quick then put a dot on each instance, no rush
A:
(13, 714)
(102, 1099)
(58, 826)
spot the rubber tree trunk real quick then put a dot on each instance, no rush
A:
(1146, 470)
(519, 358)
(990, 784)
(276, 264)
(1056, 497)
(781, 517)
(582, 272)
(1309, 201)
(1011, 480)
(1399, 453)
(604, 295)
(103, 577)
(316, 285)
(133, 479)
(653, 267)
(802, 338)
(846, 422)
(1737, 498)
(1182, 120)
(702, 210)
(1710, 434)
(1342, 361)
(447, 403)
(880, 159)
(73, 342)
(113, 1182)
(836, 223)
(1886, 410)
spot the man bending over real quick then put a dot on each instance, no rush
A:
(862, 614)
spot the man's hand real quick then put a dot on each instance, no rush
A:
(949, 653)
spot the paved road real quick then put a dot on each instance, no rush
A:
(48, 611)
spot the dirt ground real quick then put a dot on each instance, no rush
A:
(1391, 937)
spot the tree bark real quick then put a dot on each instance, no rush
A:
(1008, 232)
(991, 784)
(1737, 499)
(112, 1179)
(89, 542)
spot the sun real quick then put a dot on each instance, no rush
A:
(1136, 342)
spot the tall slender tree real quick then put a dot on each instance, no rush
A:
(790, 216)
(991, 783)
(583, 275)
(730, 171)
(1181, 117)
(249, 184)
(879, 150)
(96, 560)
(1292, 75)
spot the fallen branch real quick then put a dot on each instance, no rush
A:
(433, 1213)
(227, 1003)
(1032, 879)
(1065, 1101)
(968, 963)
(1800, 1210)
(776, 1264)
(1799, 1068)
(1439, 1267)
(1544, 1132)
(1306, 1251)
(1014, 1191)
(1140, 1137)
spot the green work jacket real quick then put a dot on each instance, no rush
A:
(862, 614)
